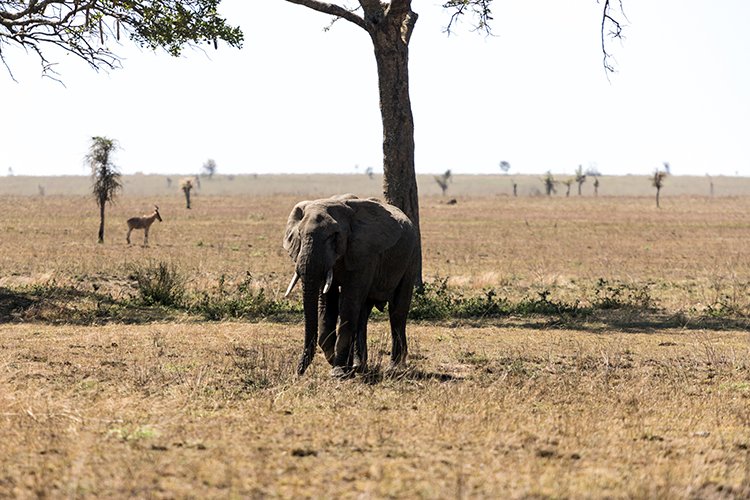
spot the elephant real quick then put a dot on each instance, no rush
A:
(352, 255)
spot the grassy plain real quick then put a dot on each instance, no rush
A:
(646, 393)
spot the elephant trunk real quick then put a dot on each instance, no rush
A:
(310, 294)
(310, 269)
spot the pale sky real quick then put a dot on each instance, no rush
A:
(299, 99)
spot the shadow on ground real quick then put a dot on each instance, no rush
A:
(68, 305)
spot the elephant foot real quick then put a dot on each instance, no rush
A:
(342, 372)
(358, 365)
(330, 357)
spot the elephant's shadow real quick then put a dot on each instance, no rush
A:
(377, 374)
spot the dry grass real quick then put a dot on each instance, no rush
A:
(511, 407)
(211, 410)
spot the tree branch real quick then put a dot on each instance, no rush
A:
(333, 10)
(82, 27)
(611, 28)
(478, 9)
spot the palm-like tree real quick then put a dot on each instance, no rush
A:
(104, 173)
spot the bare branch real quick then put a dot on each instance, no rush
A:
(333, 10)
(477, 9)
(611, 28)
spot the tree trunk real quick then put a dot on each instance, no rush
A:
(390, 38)
(102, 203)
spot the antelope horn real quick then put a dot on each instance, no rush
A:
(329, 280)
(294, 281)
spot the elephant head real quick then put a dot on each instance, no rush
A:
(326, 238)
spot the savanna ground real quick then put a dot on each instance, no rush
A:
(564, 347)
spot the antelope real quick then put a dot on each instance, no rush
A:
(144, 223)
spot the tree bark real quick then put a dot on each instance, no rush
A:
(101, 220)
(390, 38)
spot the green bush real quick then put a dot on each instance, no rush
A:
(243, 301)
(618, 295)
(159, 284)
(436, 301)
(433, 301)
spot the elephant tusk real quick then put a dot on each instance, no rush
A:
(329, 280)
(294, 281)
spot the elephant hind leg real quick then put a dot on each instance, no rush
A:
(398, 310)
(359, 352)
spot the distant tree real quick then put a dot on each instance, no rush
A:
(169, 182)
(667, 168)
(504, 166)
(209, 168)
(657, 180)
(596, 185)
(567, 183)
(369, 172)
(105, 175)
(41, 189)
(549, 183)
(10, 171)
(443, 180)
(187, 185)
(580, 178)
(710, 185)
(593, 171)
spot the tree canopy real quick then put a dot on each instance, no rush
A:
(83, 27)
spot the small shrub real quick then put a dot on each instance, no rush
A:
(243, 301)
(543, 305)
(619, 295)
(483, 306)
(159, 284)
(433, 301)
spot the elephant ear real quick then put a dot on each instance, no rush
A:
(291, 235)
(374, 229)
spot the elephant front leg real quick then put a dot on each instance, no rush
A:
(359, 354)
(328, 313)
(347, 331)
